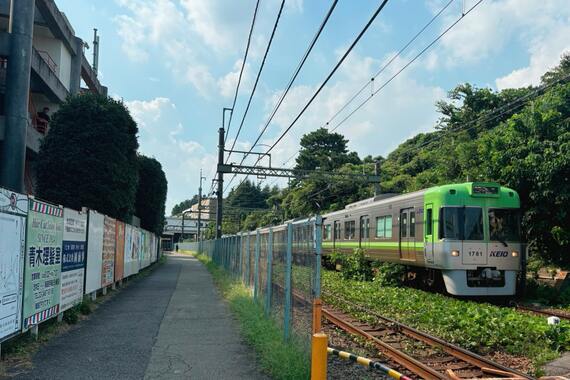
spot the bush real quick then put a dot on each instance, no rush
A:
(354, 266)
(71, 316)
(389, 274)
(85, 307)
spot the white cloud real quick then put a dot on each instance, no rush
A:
(494, 27)
(160, 137)
(160, 27)
(227, 84)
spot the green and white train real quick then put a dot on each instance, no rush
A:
(468, 234)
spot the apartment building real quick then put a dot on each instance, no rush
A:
(42, 62)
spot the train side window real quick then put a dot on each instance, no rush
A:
(349, 229)
(429, 222)
(412, 224)
(384, 227)
(388, 233)
(327, 232)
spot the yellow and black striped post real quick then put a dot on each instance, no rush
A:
(368, 363)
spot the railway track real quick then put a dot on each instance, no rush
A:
(421, 354)
(545, 312)
(425, 356)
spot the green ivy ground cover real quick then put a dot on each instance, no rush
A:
(479, 327)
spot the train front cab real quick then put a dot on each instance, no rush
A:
(472, 234)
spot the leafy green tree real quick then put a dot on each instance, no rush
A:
(151, 194)
(89, 157)
(531, 153)
(184, 205)
(324, 150)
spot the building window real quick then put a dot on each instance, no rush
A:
(384, 227)
(349, 229)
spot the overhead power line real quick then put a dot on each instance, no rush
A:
(329, 76)
(242, 67)
(383, 68)
(291, 81)
(406, 65)
(256, 80)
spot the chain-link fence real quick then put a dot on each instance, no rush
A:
(281, 265)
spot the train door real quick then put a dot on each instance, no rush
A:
(336, 233)
(364, 232)
(428, 234)
(407, 235)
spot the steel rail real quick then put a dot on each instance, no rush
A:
(398, 356)
(451, 349)
(547, 312)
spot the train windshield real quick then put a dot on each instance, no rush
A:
(504, 224)
(461, 223)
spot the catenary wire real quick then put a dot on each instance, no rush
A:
(242, 67)
(257, 79)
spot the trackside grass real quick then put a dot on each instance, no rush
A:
(277, 358)
(479, 327)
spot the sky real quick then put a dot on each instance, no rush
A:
(175, 64)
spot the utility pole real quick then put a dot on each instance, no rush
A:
(220, 192)
(199, 236)
(95, 52)
(377, 174)
(13, 158)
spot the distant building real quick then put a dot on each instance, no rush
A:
(208, 209)
(175, 228)
(57, 68)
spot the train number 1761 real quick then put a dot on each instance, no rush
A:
(475, 254)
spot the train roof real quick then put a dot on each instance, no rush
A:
(377, 200)
(477, 192)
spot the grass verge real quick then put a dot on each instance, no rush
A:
(279, 359)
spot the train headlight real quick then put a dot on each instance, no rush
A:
(455, 253)
(515, 253)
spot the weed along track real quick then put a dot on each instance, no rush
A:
(419, 353)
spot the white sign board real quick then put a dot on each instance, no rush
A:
(94, 252)
(13, 211)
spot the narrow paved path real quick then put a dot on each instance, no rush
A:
(169, 325)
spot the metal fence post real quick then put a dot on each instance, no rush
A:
(269, 271)
(288, 265)
(248, 260)
(256, 266)
(318, 253)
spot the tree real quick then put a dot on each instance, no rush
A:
(324, 150)
(89, 157)
(151, 194)
(184, 205)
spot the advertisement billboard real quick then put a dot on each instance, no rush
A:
(13, 211)
(42, 273)
(108, 264)
(94, 252)
(131, 251)
(73, 260)
(119, 250)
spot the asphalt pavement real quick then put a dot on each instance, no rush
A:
(171, 324)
